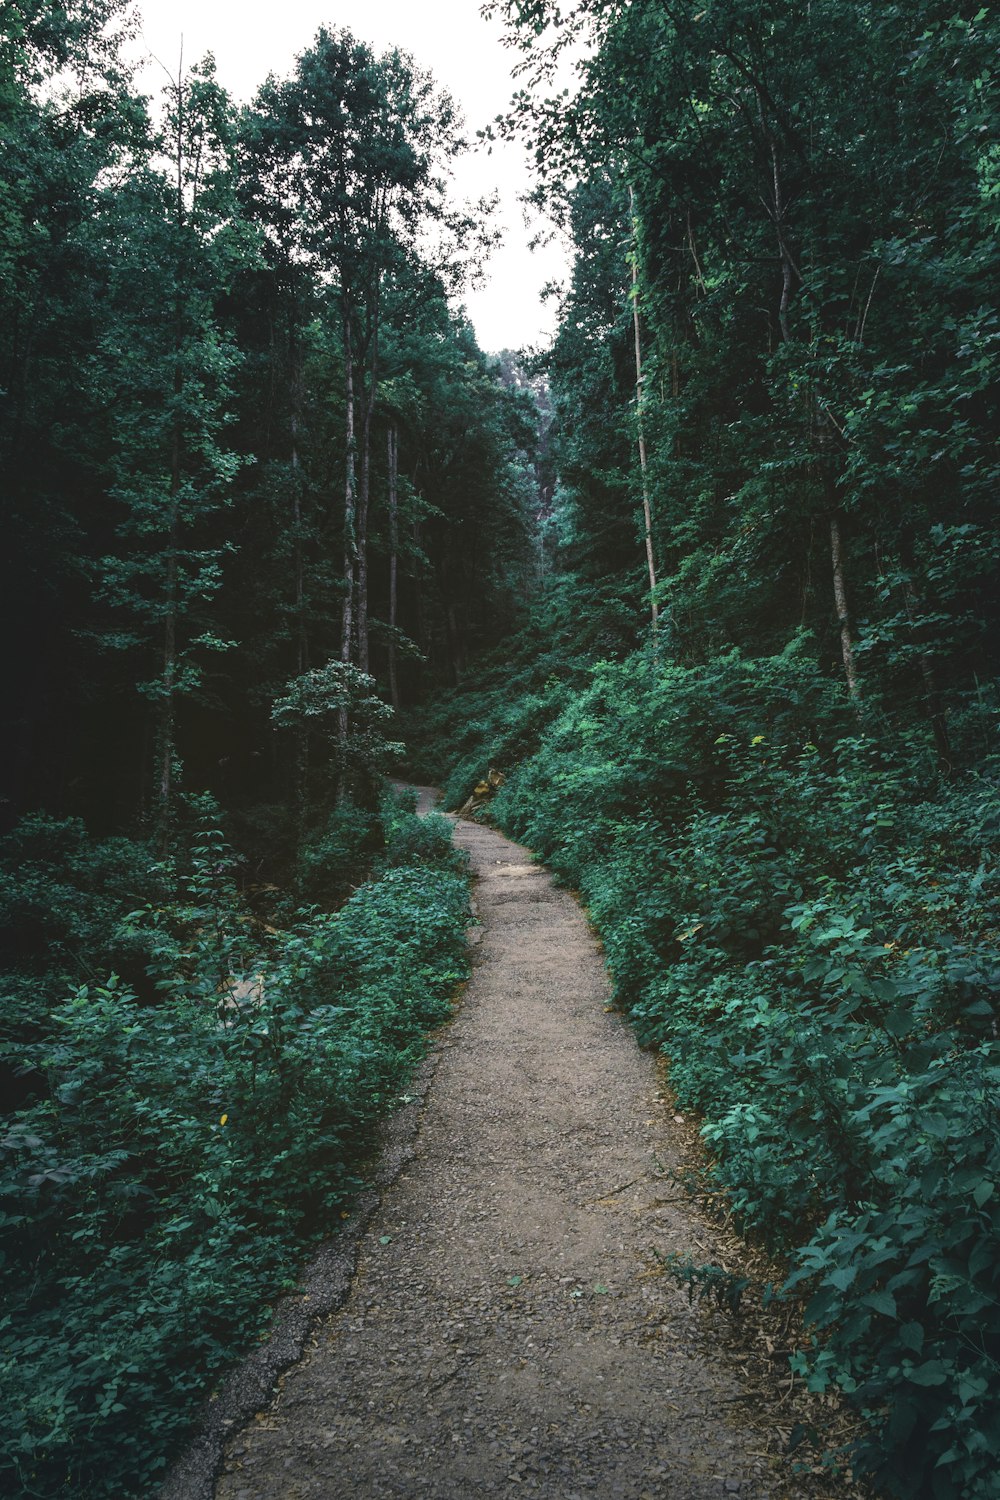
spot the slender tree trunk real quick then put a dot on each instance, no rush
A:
(789, 274)
(166, 725)
(167, 715)
(364, 487)
(145, 760)
(350, 537)
(350, 494)
(167, 708)
(419, 611)
(298, 560)
(364, 493)
(840, 600)
(302, 638)
(393, 457)
(646, 508)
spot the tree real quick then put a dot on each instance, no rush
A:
(358, 140)
(167, 367)
(70, 122)
(811, 318)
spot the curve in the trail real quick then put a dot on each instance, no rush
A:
(509, 1330)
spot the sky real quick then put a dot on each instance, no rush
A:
(450, 39)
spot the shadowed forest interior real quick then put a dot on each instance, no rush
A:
(710, 585)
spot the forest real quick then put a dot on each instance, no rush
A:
(711, 582)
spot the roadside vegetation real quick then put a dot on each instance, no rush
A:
(803, 921)
(190, 1119)
(761, 737)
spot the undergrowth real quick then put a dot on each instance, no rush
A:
(182, 1139)
(802, 915)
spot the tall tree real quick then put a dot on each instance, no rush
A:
(70, 123)
(815, 259)
(360, 139)
(168, 369)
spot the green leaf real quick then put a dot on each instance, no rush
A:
(882, 1301)
(934, 1372)
(843, 1277)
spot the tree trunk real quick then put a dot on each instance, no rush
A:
(840, 600)
(298, 562)
(350, 540)
(364, 492)
(166, 716)
(350, 494)
(393, 456)
(364, 488)
(646, 508)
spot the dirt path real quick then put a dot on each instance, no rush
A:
(508, 1331)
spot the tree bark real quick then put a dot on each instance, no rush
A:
(646, 508)
(166, 716)
(840, 600)
(350, 539)
(370, 395)
(350, 493)
(393, 456)
(302, 633)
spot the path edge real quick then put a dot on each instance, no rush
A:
(322, 1287)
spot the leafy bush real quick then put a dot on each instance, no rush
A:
(62, 895)
(803, 917)
(329, 857)
(182, 1149)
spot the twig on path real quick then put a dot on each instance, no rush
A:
(612, 1194)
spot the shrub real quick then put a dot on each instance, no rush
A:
(803, 918)
(182, 1149)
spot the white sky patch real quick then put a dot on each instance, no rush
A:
(447, 38)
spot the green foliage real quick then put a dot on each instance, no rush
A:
(905, 1283)
(797, 894)
(329, 856)
(707, 1282)
(499, 713)
(421, 841)
(802, 916)
(337, 707)
(178, 1151)
(62, 895)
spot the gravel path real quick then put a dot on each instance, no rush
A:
(509, 1330)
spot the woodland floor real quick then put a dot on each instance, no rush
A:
(509, 1329)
